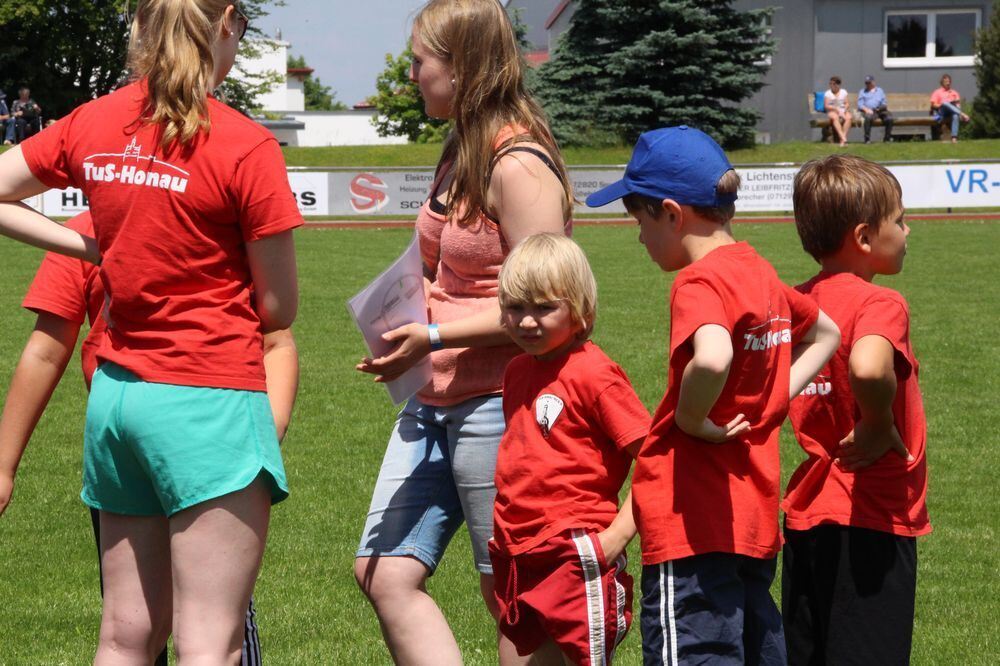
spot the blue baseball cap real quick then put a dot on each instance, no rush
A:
(679, 163)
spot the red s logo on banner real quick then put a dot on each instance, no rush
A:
(368, 193)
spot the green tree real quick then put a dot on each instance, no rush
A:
(627, 66)
(986, 108)
(400, 106)
(318, 96)
(71, 51)
(520, 29)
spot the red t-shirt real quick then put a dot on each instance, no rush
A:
(890, 495)
(172, 228)
(71, 289)
(692, 496)
(562, 460)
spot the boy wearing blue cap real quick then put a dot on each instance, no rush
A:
(707, 480)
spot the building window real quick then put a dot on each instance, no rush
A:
(933, 37)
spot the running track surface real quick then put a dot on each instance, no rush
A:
(787, 219)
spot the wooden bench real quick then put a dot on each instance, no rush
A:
(911, 113)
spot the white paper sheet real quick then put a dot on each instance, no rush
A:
(394, 298)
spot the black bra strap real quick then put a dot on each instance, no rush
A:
(527, 149)
(440, 208)
(521, 149)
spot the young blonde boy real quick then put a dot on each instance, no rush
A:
(707, 478)
(574, 424)
(854, 507)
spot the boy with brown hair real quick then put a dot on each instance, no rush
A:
(854, 507)
(707, 479)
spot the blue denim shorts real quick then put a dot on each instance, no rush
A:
(437, 472)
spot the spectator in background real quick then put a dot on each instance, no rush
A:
(27, 117)
(837, 108)
(872, 104)
(946, 105)
(4, 115)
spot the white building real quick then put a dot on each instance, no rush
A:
(284, 106)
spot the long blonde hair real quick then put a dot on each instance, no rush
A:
(477, 39)
(170, 46)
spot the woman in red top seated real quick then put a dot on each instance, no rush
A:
(946, 104)
(500, 179)
(193, 216)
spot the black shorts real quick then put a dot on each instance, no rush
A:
(713, 608)
(847, 596)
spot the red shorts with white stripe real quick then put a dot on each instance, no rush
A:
(564, 590)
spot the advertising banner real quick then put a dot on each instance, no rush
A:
(949, 185)
(64, 203)
(399, 193)
(311, 190)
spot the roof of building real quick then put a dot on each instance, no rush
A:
(556, 13)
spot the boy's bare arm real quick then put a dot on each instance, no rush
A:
(873, 383)
(812, 352)
(281, 365)
(701, 384)
(42, 364)
(621, 531)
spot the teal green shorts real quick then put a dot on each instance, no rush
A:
(155, 449)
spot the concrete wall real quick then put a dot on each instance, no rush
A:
(273, 57)
(782, 100)
(560, 25)
(849, 38)
(295, 94)
(821, 38)
(533, 14)
(334, 128)
(818, 39)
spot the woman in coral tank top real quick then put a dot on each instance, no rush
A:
(500, 180)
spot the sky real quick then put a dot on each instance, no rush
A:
(345, 41)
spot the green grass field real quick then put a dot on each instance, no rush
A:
(416, 154)
(309, 608)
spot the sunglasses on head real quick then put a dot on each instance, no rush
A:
(127, 15)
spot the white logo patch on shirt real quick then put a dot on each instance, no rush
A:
(548, 407)
(821, 385)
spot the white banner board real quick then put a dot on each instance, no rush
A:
(311, 190)
(401, 192)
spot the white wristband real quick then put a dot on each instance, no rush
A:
(434, 335)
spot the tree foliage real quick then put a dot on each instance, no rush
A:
(400, 106)
(318, 96)
(986, 109)
(627, 66)
(71, 51)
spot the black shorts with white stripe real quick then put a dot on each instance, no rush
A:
(713, 608)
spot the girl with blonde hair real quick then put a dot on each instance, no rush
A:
(500, 179)
(193, 216)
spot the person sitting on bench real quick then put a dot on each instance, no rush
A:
(27, 118)
(837, 108)
(872, 104)
(946, 104)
